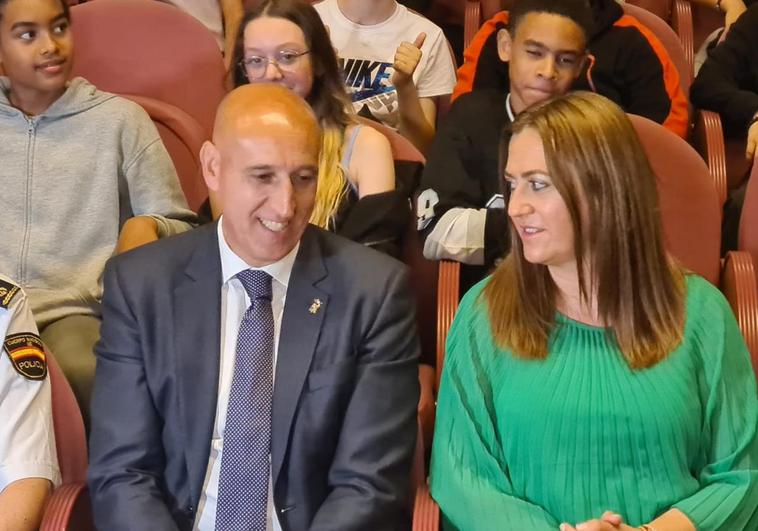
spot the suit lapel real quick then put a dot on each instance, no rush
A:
(197, 306)
(303, 316)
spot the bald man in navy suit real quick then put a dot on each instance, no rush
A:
(191, 382)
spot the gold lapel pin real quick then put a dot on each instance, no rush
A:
(315, 306)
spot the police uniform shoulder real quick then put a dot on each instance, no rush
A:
(9, 290)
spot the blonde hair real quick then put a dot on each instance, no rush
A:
(332, 181)
(595, 161)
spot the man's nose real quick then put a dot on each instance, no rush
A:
(547, 68)
(283, 201)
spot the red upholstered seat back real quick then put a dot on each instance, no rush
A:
(70, 440)
(151, 49)
(689, 203)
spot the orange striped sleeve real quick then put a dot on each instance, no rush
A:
(467, 71)
(677, 120)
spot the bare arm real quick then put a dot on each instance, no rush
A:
(22, 504)
(371, 165)
(417, 115)
(137, 231)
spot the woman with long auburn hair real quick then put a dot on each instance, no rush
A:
(590, 382)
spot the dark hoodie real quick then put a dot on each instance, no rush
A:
(629, 65)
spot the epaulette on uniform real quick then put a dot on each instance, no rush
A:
(8, 290)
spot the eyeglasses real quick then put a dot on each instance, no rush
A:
(286, 60)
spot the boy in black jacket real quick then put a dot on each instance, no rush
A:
(629, 66)
(461, 206)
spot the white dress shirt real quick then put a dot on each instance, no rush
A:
(234, 303)
(27, 439)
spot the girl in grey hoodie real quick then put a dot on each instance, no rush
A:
(84, 174)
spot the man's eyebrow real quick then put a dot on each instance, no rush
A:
(543, 46)
(259, 167)
(532, 42)
(309, 167)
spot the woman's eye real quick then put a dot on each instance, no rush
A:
(538, 185)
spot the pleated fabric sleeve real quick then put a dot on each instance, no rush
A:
(469, 473)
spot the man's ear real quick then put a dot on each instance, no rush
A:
(504, 45)
(585, 61)
(210, 161)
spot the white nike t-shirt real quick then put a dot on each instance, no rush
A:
(367, 54)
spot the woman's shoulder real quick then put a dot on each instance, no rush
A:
(472, 309)
(704, 303)
(710, 324)
(366, 137)
(370, 164)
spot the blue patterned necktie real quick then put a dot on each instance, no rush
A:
(245, 465)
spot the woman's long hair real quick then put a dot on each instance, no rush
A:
(599, 168)
(328, 98)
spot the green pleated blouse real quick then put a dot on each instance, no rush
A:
(526, 445)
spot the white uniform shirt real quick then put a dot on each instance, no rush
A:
(234, 303)
(368, 53)
(27, 440)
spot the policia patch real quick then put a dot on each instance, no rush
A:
(27, 355)
(7, 291)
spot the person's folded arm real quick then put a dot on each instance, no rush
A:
(449, 205)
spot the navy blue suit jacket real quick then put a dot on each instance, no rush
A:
(345, 396)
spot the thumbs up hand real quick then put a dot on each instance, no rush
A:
(407, 58)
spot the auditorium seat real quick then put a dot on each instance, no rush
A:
(707, 135)
(743, 289)
(69, 506)
(678, 15)
(152, 49)
(183, 137)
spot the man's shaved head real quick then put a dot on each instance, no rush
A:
(262, 169)
(251, 109)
